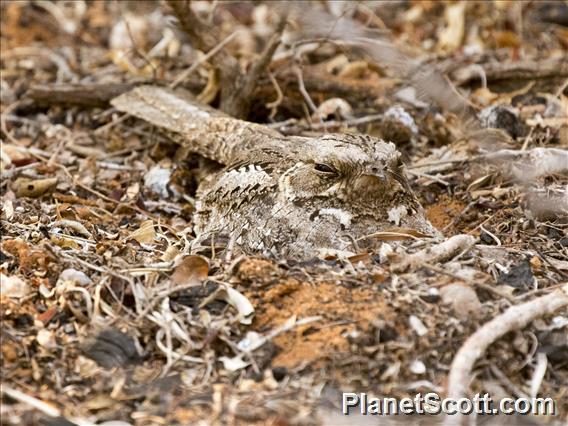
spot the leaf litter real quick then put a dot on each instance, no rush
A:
(108, 319)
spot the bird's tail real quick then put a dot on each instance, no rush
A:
(202, 129)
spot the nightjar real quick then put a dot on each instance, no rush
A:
(296, 197)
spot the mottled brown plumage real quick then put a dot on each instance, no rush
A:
(289, 196)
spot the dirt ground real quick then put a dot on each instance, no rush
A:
(107, 318)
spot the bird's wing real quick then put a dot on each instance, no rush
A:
(231, 189)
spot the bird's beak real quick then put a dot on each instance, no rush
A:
(377, 174)
(401, 179)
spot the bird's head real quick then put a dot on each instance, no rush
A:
(358, 169)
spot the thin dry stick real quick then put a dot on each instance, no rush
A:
(3, 116)
(291, 126)
(436, 253)
(140, 53)
(561, 89)
(104, 197)
(238, 103)
(201, 60)
(429, 176)
(237, 86)
(273, 106)
(544, 259)
(303, 91)
(44, 407)
(486, 287)
(105, 127)
(514, 318)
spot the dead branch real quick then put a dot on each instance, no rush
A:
(44, 407)
(525, 70)
(514, 318)
(237, 86)
(238, 102)
(205, 58)
(320, 85)
(202, 35)
(89, 94)
(83, 94)
(443, 251)
(316, 81)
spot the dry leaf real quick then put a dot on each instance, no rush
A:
(13, 286)
(8, 209)
(64, 242)
(233, 364)
(396, 234)
(74, 276)
(48, 315)
(451, 37)
(33, 188)
(157, 180)
(507, 39)
(417, 325)
(145, 234)
(332, 107)
(132, 191)
(240, 303)
(356, 69)
(483, 96)
(170, 254)
(12, 154)
(46, 338)
(235, 299)
(462, 298)
(192, 270)
(211, 89)
(489, 139)
(361, 257)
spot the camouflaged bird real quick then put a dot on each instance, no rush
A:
(296, 197)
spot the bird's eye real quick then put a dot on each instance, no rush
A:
(324, 168)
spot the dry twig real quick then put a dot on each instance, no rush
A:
(443, 251)
(532, 70)
(237, 86)
(84, 94)
(514, 318)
